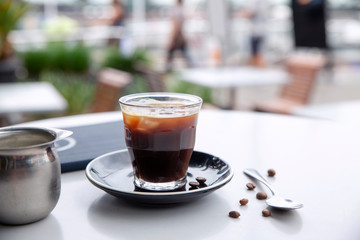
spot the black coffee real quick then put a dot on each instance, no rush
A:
(161, 146)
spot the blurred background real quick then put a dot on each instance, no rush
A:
(93, 51)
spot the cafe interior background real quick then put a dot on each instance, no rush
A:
(89, 61)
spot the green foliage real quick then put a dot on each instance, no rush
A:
(77, 90)
(81, 59)
(57, 57)
(115, 59)
(175, 85)
(137, 85)
(62, 66)
(60, 27)
(11, 11)
(34, 61)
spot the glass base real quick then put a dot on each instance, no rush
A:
(160, 186)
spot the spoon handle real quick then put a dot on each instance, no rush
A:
(255, 174)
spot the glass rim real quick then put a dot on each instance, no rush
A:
(196, 100)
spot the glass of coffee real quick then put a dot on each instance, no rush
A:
(160, 133)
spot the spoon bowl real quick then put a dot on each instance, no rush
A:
(282, 203)
(275, 201)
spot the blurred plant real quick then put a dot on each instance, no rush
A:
(34, 61)
(57, 57)
(176, 85)
(11, 11)
(60, 27)
(128, 63)
(115, 59)
(137, 85)
(68, 58)
(77, 90)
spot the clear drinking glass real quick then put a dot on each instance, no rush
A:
(160, 133)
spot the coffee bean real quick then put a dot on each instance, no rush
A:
(234, 214)
(261, 195)
(201, 180)
(266, 213)
(250, 186)
(244, 201)
(194, 184)
(271, 172)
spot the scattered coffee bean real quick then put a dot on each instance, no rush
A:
(234, 214)
(201, 180)
(261, 195)
(271, 172)
(250, 186)
(266, 213)
(194, 184)
(244, 201)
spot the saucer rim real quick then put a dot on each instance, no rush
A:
(103, 186)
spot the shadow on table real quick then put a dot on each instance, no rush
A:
(118, 218)
(289, 222)
(28, 231)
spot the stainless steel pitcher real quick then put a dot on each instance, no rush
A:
(29, 173)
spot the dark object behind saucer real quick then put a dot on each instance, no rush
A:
(87, 145)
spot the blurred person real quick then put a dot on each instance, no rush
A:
(256, 11)
(117, 18)
(309, 19)
(177, 39)
(217, 14)
(117, 13)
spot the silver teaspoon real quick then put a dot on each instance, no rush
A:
(275, 201)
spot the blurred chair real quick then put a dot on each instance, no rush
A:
(154, 79)
(3, 121)
(110, 85)
(303, 70)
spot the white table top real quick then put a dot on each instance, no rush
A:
(317, 163)
(228, 77)
(348, 112)
(30, 97)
